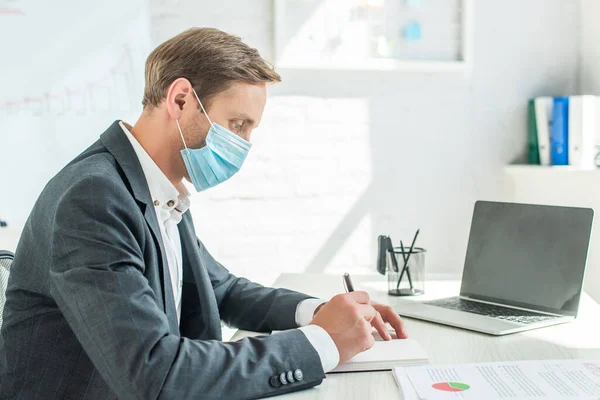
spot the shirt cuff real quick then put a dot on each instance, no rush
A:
(306, 310)
(324, 345)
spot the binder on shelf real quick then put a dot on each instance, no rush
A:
(533, 151)
(543, 107)
(583, 130)
(559, 142)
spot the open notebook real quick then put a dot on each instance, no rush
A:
(386, 355)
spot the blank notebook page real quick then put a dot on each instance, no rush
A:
(386, 354)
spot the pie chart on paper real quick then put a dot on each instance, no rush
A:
(451, 386)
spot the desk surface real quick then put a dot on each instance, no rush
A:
(444, 345)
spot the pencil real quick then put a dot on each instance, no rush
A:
(412, 246)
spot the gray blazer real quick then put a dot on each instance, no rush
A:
(90, 311)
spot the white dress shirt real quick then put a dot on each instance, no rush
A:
(170, 203)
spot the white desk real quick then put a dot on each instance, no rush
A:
(444, 345)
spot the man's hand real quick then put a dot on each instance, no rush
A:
(347, 319)
(388, 315)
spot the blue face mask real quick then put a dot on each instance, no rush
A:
(219, 160)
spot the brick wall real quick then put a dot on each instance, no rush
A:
(341, 157)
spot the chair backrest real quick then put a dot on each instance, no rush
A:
(6, 258)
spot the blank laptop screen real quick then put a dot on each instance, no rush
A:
(529, 256)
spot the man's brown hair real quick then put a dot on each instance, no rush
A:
(209, 58)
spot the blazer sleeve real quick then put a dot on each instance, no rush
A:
(97, 280)
(248, 305)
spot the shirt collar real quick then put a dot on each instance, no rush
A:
(164, 194)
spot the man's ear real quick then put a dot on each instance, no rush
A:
(180, 100)
(177, 95)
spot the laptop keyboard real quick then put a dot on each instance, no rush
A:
(491, 310)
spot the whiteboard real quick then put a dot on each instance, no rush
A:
(373, 34)
(69, 69)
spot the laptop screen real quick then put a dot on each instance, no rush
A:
(529, 256)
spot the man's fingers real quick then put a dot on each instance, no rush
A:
(372, 316)
(378, 324)
(360, 297)
(378, 314)
(396, 322)
(366, 311)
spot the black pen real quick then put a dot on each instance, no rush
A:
(404, 257)
(412, 246)
(348, 283)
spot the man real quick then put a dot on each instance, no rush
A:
(111, 294)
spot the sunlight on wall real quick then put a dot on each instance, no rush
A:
(309, 163)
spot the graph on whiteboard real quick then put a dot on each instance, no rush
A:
(69, 69)
(71, 58)
(11, 8)
(113, 88)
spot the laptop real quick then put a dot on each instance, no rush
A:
(523, 270)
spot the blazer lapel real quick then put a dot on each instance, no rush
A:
(118, 145)
(208, 304)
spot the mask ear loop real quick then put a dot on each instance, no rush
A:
(191, 171)
(205, 113)
(181, 133)
(203, 110)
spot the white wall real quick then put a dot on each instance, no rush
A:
(590, 47)
(341, 157)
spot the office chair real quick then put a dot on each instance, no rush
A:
(6, 258)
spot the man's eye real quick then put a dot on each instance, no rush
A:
(236, 126)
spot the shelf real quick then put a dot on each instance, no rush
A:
(381, 65)
(524, 169)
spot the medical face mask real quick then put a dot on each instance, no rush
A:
(219, 160)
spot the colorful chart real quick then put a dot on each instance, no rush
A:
(451, 386)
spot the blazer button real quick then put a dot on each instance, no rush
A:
(274, 381)
(283, 379)
(290, 377)
(298, 375)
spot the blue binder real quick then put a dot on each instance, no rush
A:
(559, 136)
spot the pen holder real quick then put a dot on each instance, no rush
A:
(409, 281)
